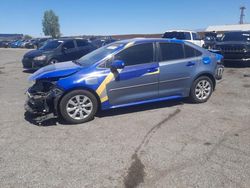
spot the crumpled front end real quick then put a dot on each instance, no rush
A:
(43, 97)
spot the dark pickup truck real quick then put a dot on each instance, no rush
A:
(235, 46)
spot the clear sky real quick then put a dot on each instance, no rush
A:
(106, 17)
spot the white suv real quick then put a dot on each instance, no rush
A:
(190, 36)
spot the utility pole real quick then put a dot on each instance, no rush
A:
(242, 15)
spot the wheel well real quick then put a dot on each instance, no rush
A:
(81, 88)
(209, 76)
(52, 59)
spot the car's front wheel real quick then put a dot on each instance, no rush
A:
(78, 106)
(53, 61)
(201, 89)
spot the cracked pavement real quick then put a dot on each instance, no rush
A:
(166, 144)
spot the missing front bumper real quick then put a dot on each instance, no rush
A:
(42, 103)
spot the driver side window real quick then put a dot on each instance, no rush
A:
(138, 54)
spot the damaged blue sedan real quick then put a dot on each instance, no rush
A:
(124, 73)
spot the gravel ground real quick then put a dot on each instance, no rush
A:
(167, 144)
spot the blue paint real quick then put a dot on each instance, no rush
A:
(190, 64)
(72, 76)
(55, 71)
(206, 60)
(130, 72)
(148, 101)
(218, 57)
(118, 64)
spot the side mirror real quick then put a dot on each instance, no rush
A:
(117, 64)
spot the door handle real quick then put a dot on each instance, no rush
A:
(190, 63)
(153, 69)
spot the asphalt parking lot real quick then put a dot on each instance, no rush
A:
(167, 144)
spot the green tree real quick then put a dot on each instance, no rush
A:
(51, 26)
(27, 37)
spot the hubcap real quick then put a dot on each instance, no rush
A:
(79, 107)
(203, 89)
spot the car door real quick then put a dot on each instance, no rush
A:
(138, 80)
(83, 48)
(176, 68)
(69, 51)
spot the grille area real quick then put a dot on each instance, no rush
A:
(41, 86)
(235, 49)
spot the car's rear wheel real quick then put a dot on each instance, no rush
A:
(78, 106)
(201, 89)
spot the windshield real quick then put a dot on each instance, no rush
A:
(236, 36)
(51, 45)
(177, 35)
(99, 54)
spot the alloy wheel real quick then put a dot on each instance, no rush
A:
(79, 107)
(203, 89)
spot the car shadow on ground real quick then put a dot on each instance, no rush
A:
(37, 120)
(54, 121)
(28, 71)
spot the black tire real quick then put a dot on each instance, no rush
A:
(65, 102)
(53, 61)
(193, 94)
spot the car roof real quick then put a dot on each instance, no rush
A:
(142, 40)
(67, 39)
(180, 31)
(239, 31)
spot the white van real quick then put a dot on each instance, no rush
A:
(190, 36)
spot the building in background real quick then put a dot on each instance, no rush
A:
(10, 37)
(224, 28)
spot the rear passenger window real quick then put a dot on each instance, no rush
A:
(191, 52)
(171, 51)
(81, 43)
(138, 54)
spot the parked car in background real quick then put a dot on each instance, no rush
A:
(210, 40)
(39, 42)
(99, 42)
(30, 44)
(4, 44)
(55, 51)
(124, 73)
(24, 42)
(190, 36)
(14, 44)
(235, 46)
(19, 43)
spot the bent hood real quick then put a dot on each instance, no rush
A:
(35, 53)
(56, 71)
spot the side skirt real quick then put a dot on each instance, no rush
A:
(147, 101)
